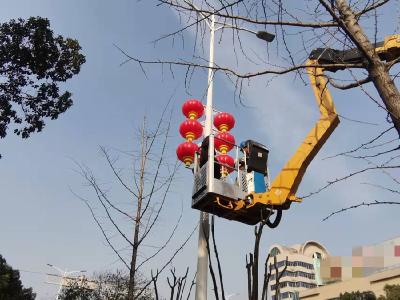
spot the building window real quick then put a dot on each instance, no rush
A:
(294, 285)
(275, 251)
(295, 264)
(317, 255)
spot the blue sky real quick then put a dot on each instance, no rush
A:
(42, 222)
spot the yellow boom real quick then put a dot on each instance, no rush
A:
(282, 191)
(285, 185)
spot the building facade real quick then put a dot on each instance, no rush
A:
(302, 272)
(312, 273)
(372, 283)
(369, 268)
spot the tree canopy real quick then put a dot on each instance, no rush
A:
(392, 292)
(10, 284)
(33, 63)
(358, 296)
(106, 285)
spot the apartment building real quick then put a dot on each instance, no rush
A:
(312, 273)
(302, 271)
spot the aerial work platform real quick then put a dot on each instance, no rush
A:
(233, 188)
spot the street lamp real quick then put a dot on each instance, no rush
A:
(64, 274)
(202, 258)
(266, 36)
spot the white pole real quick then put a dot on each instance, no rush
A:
(204, 229)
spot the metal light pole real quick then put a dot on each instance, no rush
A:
(204, 229)
(64, 274)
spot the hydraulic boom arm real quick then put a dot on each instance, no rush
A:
(282, 192)
(284, 187)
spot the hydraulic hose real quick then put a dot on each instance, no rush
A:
(276, 221)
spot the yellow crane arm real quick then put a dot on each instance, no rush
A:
(284, 187)
(282, 191)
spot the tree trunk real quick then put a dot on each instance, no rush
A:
(388, 92)
(377, 69)
(132, 273)
(258, 233)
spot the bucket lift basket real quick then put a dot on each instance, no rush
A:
(220, 197)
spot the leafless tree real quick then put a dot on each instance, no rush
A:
(175, 282)
(146, 193)
(253, 262)
(311, 24)
(267, 278)
(278, 276)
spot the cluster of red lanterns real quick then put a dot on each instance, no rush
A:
(224, 141)
(191, 130)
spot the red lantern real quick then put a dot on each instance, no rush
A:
(193, 109)
(224, 142)
(227, 164)
(190, 130)
(224, 121)
(186, 151)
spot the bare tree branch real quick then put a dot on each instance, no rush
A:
(361, 204)
(179, 249)
(381, 167)
(101, 228)
(227, 16)
(267, 277)
(230, 71)
(382, 187)
(372, 7)
(165, 243)
(350, 85)
(111, 165)
(363, 145)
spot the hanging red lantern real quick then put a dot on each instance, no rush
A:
(227, 164)
(191, 130)
(186, 151)
(224, 121)
(224, 142)
(193, 109)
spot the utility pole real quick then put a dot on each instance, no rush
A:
(204, 229)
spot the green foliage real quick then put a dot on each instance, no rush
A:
(33, 62)
(392, 292)
(107, 285)
(357, 296)
(78, 291)
(10, 285)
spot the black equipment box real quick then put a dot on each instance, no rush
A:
(257, 157)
